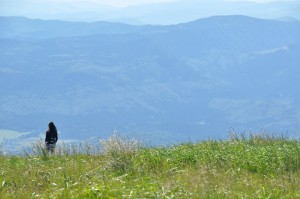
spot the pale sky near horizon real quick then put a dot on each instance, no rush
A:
(117, 3)
(113, 3)
(124, 3)
(117, 10)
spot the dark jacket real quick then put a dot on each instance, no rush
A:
(51, 137)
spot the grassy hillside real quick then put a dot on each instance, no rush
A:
(254, 167)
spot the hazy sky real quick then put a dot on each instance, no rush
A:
(113, 3)
(147, 11)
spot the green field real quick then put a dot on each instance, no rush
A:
(253, 167)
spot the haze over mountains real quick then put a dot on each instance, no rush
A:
(156, 12)
(169, 83)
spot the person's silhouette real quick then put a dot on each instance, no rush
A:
(51, 137)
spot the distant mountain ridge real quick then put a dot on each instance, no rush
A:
(33, 28)
(171, 83)
(36, 28)
(170, 12)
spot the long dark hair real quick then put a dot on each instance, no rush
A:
(52, 127)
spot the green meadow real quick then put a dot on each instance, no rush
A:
(240, 167)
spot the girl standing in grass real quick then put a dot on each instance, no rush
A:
(51, 137)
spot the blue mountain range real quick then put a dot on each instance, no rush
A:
(163, 84)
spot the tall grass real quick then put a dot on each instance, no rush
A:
(38, 148)
(2, 153)
(119, 152)
(257, 166)
(117, 144)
